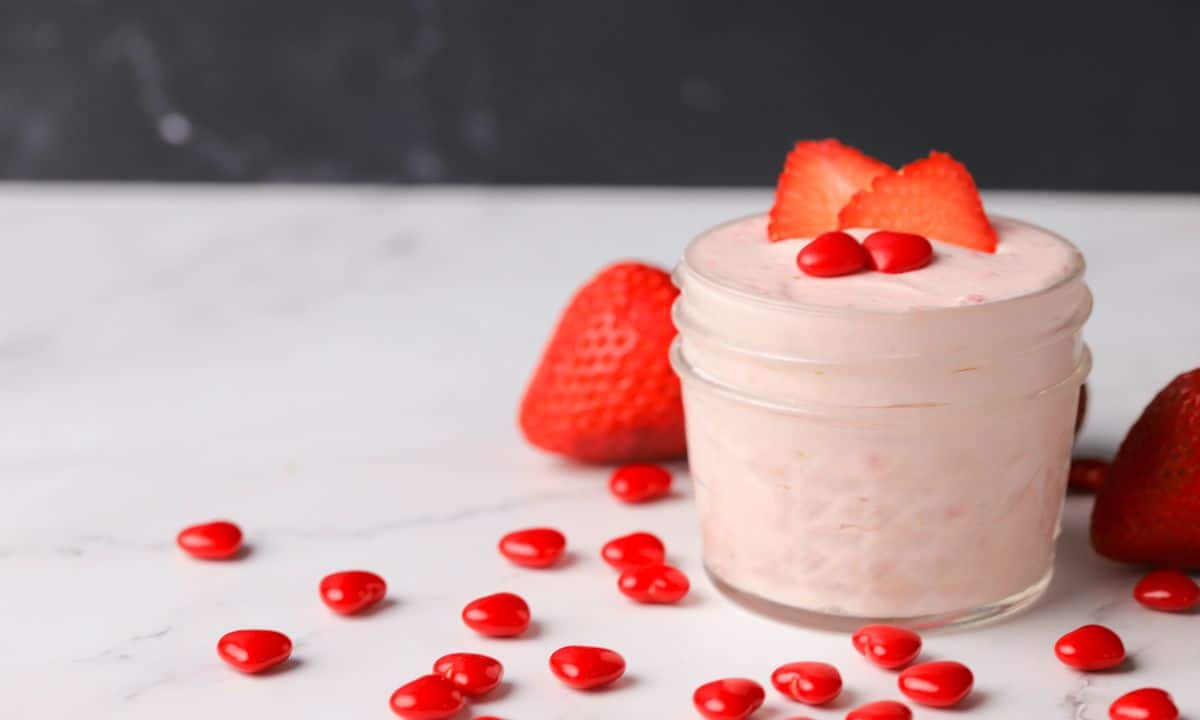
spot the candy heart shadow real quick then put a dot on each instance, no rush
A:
(503, 690)
(292, 664)
(380, 607)
(532, 632)
(972, 701)
(566, 560)
(624, 682)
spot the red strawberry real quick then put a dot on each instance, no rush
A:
(935, 197)
(1148, 510)
(818, 178)
(604, 390)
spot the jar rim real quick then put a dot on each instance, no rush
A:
(687, 371)
(816, 309)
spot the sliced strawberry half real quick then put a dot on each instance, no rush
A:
(818, 178)
(935, 197)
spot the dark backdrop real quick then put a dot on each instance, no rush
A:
(1051, 95)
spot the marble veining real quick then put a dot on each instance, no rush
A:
(338, 371)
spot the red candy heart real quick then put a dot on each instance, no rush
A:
(429, 697)
(728, 699)
(499, 615)
(1091, 647)
(897, 252)
(882, 710)
(1087, 475)
(635, 550)
(814, 683)
(211, 541)
(535, 547)
(656, 584)
(937, 684)
(887, 646)
(253, 651)
(639, 483)
(473, 674)
(583, 668)
(1144, 704)
(1168, 590)
(832, 254)
(352, 591)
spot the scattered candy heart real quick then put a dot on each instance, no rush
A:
(881, 710)
(1087, 475)
(635, 550)
(473, 674)
(535, 547)
(814, 683)
(832, 254)
(500, 615)
(352, 591)
(937, 684)
(1144, 704)
(639, 483)
(584, 668)
(253, 651)
(1091, 647)
(728, 699)
(1168, 590)
(887, 646)
(655, 584)
(897, 252)
(211, 541)
(429, 697)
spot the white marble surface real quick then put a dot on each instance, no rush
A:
(338, 371)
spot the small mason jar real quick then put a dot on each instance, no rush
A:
(903, 466)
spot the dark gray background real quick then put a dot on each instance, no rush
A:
(1049, 95)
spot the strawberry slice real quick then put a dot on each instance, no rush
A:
(818, 178)
(935, 197)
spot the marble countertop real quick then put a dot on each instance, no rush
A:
(338, 369)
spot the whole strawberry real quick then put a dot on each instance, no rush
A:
(1148, 510)
(604, 390)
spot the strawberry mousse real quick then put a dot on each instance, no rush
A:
(882, 446)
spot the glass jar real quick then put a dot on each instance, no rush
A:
(857, 466)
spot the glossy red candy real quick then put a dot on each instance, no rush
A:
(814, 683)
(728, 699)
(429, 697)
(887, 646)
(896, 252)
(211, 541)
(500, 615)
(1168, 590)
(937, 684)
(1087, 475)
(656, 584)
(635, 550)
(352, 591)
(535, 547)
(473, 674)
(1091, 647)
(639, 483)
(832, 254)
(882, 710)
(584, 668)
(253, 651)
(1144, 704)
